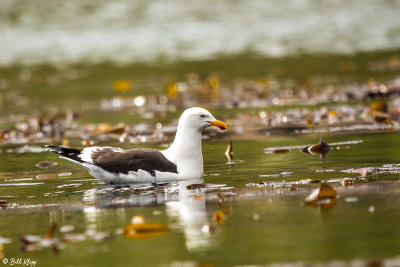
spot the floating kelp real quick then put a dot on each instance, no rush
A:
(320, 149)
(4, 203)
(229, 152)
(280, 151)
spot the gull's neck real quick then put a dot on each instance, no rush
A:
(186, 152)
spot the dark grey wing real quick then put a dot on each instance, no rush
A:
(149, 160)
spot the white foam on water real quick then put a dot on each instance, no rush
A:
(125, 31)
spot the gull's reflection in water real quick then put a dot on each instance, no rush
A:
(186, 207)
(190, 209)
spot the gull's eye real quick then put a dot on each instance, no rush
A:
(202, 116)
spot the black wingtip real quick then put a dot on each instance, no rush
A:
(65, 151)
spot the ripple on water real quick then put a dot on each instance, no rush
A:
(20, 184)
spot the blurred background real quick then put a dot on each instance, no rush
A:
(100, 65)
(125, 32)
(72, 69)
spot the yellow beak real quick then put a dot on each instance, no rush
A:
(220, 124)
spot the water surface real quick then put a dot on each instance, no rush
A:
(263, 222)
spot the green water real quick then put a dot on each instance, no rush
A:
(261, 225)
(265, 223)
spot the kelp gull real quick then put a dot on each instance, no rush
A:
(183, 160)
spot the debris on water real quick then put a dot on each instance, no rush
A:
(223, 196)
(286, 173)
(229, 152)
(4, 203)
(69, 185)
(371, 209)
(4, 240)
(351, 199)
(18, 179)
(20, 184)
(280, 151)
(50, 232)
(28, 149)
(74, 237)
(47, 176)
(195, 186)
(120, 201)
(342, 147)
(122, 85)
(328, 170)
(66, 228)
(139, 229)
(34, 206)
(208, 186)
(98, 236)
(379, 110)
(268, 175)
(46, 164)
(379, 106)
(31, 242)
(62, 174)
(255, 216)
(30, 239)
(324, 196)
(320, 149)
(347, 181)
(218, 217)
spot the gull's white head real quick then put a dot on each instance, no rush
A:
(200, 119)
